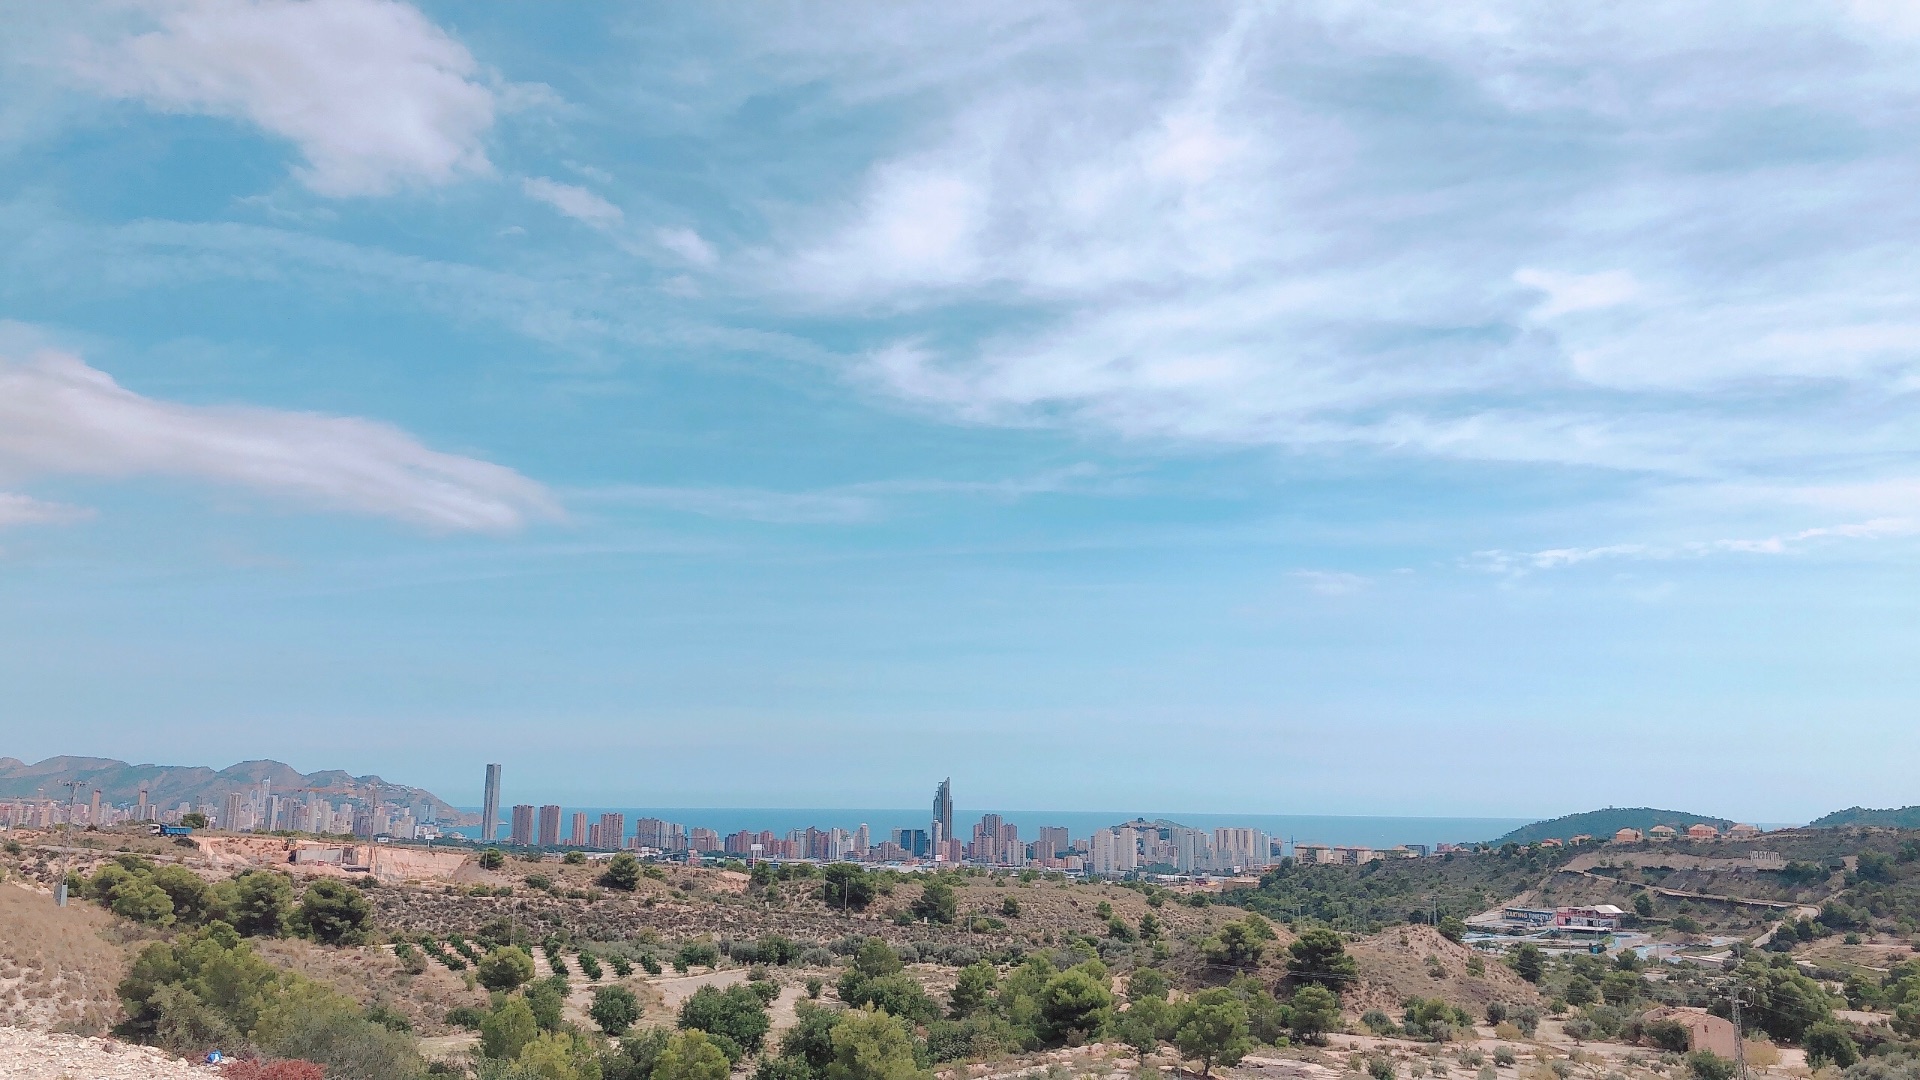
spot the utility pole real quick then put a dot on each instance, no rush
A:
(66, 857)
(1739, 1039)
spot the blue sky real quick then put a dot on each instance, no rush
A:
(1472, 411)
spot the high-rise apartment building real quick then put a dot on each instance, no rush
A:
(702, 840)
(1242, 849)
(549, 826)
(490, 806)
(613, 829)
(522, 825)
(1053, 840)
(943, 811)
(578, 835)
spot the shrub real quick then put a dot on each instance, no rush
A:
(466, 1016)
(1503, 1056)
(284, 1069)
(615, 1009)
(334, 913)
(1707, 1065)
(505, 968)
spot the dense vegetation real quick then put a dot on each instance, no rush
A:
(1374, 895)
(1602, 824)
(1906, 817)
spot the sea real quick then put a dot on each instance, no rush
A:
(1378, 832)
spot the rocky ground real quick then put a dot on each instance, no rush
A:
(34, 1055)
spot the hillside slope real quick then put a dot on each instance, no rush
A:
(168, 785)
(1906, 817)
(1604, 823)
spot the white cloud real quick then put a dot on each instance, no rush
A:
(1567, 293)
(60, 416)
(24, 510)
(1331, 582)
(575, 202)
(376, 97)
(1516, 562)
(1677, 241)
(687, 244)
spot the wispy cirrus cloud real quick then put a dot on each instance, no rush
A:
(575, 202)
(1520, 562)
(25, 510)
(376, 97)
(61, 417)
(1464, 233)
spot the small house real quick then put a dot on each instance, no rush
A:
(1702, 831)
(1627, 836)
(1662, 832)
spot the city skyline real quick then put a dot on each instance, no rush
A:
(760, 408)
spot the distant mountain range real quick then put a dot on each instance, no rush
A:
(1906, 817)
(171, 785)
(1602, 824)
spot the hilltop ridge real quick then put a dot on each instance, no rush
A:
(1602, 824)
(119, 782)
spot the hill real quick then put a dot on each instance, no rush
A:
(1906, 817)
(120, 783)
(1604, 823)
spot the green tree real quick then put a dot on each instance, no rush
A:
(736, 1016)
(144, 902)
(1580, 991)
(548, 999)
(1146, 982)
(1528, 962)
(1785, 1001)
(508, 1029)
(936, 903)
(1829, 1043)
(574, 858)
(206, 983)
(869, 1045)
(1146, 1023)
(1316, 1011)
(846, 886)
(193, 900)
(504, 968)
(615, 1009)
(1150, 927)
(260, 903)
(1076, 1004)
(1240, 943)
(1319, 958)
(1643, 904)
(1707, 1065)
(622, 872)
(1213, 1029)
(194, 819)
(973, 990)
(1009, 907)
(492, 859)
(1621, 988)
(335, 913)
(809, 1041)
(1453, 928)
(691, 1055)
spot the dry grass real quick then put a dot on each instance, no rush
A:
(1403, 962)
(371, 974)
(58, 966)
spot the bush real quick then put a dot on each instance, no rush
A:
(1707, 1065)
(623, 873)
(466, 1016)
(334, 913)
(615, 1010)
(736, 1017)
(284, 1069)
(505, 968)
(1503, 1056)
(1668, 1035)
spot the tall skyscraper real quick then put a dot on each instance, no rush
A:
(613, 829)
(578, 837)
(549, 826)
(490, 806)
(943, 811)
(522, 825)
